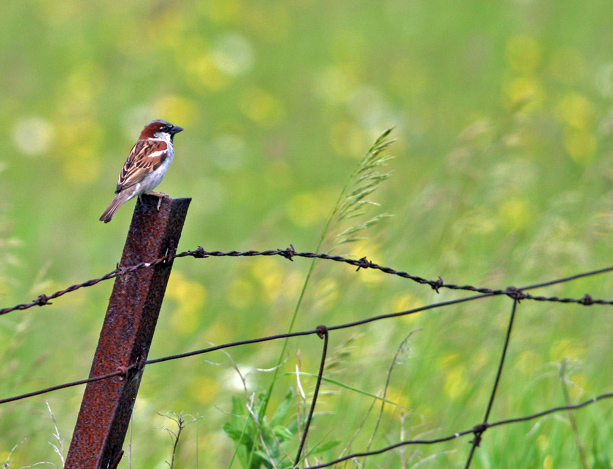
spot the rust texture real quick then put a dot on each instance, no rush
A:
(127, 333)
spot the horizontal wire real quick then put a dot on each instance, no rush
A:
(363, 263)
(479, 428)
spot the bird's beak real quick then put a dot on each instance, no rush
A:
(176, 129)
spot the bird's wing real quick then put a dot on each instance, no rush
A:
(146, 156)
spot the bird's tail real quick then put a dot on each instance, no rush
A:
(117, 202)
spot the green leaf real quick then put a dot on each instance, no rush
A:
(263, 457)
(283, 408)
(237, 434)
(238, 410)
(325, 447)
(282, 433)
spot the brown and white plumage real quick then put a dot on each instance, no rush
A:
(146, 165)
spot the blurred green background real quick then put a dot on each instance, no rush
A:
(502, 176)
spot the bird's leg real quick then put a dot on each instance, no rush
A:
(160, 196)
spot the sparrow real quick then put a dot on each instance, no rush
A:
(146, 165)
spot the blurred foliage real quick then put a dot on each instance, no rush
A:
(258, 443)
(503, 118)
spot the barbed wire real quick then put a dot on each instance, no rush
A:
(363, 263)
(516, 294)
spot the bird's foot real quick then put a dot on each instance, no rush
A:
(160, 196)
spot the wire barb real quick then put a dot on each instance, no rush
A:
(42, 300)
(363, 264)
(587, 300)
(437, 284)
(199, 253)
(517, 294)
(288, 253)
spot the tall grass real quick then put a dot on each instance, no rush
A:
(349, 209)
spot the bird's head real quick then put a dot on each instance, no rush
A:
(159, 129)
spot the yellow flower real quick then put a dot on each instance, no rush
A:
(224, 12)
(204, 389)
(515, 214)
(399, 397)
(327, 293)
(405, 303)
(527, 362)
(542, 441)
(241, 293)
(348, 139)
(176, 109)
(456, 384)
(305, 209)
(524, 54)
(567, 348)
(525, 93)
(202, 71)
(190, 297)
(577, 111)
(268, 273)
(581, 145)
(262, 107)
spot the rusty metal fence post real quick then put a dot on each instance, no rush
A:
(126, 335)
